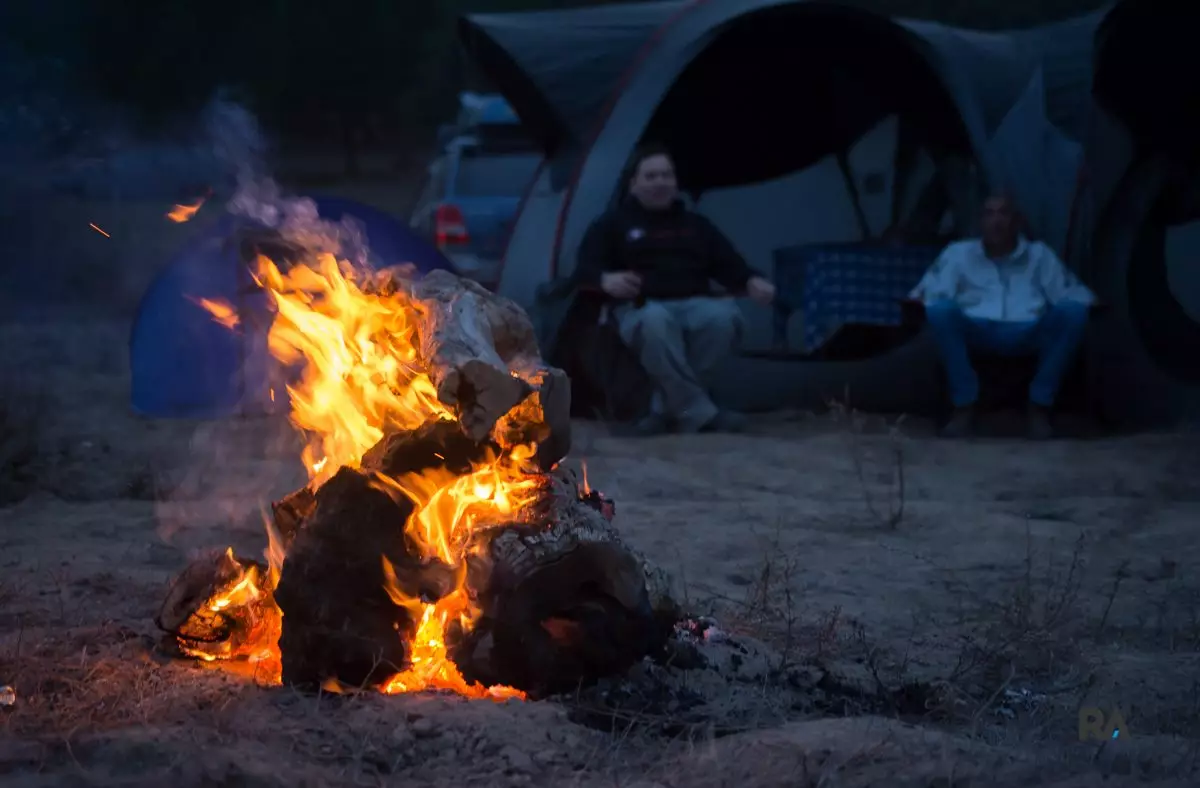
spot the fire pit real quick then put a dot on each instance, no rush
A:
(437, 544)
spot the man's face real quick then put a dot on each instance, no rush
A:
(999, 222)
(653, 183)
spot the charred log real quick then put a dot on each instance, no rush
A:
(290, 511)
(438, 444)
(339, 621)
(562, 604)
(219, 607)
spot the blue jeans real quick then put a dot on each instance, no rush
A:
(1055, 338)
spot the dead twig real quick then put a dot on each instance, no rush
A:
(1119, 576)
(889, 512)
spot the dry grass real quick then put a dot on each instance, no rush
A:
(1019, 678)
(878, 468)
(86, 681)
(1027, 648)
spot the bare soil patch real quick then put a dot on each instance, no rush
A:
(926, 613)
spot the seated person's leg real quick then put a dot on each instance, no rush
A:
(657, 337)
(953, 332)
(712, 329)
(1059, 335)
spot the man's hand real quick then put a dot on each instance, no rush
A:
(760, 290)
(621, 284)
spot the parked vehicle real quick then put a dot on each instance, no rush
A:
(474, 187)
(481, 112)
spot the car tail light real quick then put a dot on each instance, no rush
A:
(449, 227)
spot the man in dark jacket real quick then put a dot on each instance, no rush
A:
(657, 260)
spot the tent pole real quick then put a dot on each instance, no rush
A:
(903, 164)
(843, 160)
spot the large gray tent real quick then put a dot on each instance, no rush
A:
(1143, 199)
(796, 122)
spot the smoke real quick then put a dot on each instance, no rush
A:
(234, 469)
(86, 189)
(237, 139)
(83, 206)
(298, 223)
(57, 138)
(209, 153)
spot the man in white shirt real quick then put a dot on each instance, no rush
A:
(1004, 294)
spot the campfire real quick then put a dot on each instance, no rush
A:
(438, 543)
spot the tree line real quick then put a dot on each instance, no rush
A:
(360, 61)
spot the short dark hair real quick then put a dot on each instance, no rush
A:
(646, 150)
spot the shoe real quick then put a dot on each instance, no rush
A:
(1040, 428)
(961, 423)
(725, 421)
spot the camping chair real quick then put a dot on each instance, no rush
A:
(607, 380)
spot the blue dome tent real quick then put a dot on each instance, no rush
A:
(184, 364)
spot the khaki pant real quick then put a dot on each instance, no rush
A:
(679, 344)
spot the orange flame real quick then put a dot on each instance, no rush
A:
(184, 213)
(221, 312)
(362, 377)
(260, 649)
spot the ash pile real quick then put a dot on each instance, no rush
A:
(709, 682)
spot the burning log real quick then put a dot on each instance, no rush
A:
(482, 355)
(221, 607)
(339, 620)
(561, 599)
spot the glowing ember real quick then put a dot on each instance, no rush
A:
(221, 312)
(238, 618)
(356, 343)
(184, 213)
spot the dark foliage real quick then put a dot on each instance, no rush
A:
(302, 62)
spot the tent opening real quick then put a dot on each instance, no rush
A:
(813, 123)
(1148, 74)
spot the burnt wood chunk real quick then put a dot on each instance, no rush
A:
(289, 512)
(564, 602)
(339, 619)
(220, 607)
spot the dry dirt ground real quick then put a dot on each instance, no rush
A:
(962, 600)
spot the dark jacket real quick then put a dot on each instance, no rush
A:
(677, 252)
